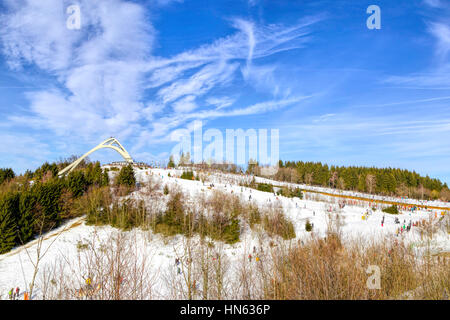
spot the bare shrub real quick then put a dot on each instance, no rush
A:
(276, 223)
(112, 269)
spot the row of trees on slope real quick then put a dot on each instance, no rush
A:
(35, 202)
(386, 181)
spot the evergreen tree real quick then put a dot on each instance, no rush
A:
(105, 179)
(8, 225)
(45, 169)
(171, 163)
(6, 175)
(126, 176)
(77, 183)
(94, 174)
(232, 231)
(48, 195)
(364, 179)
(25, 224)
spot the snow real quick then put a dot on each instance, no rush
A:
(16, 269)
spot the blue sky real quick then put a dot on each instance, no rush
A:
(140, 70)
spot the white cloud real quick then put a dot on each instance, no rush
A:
(167, 2)
(220, 102)
(437, 77)
(185, 104)
(433, 3)
(441, 32)
(199, 83)
(104, 69)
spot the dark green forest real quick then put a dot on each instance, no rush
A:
(384, 181)
(35, 202)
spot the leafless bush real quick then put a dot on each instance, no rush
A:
(112, 269)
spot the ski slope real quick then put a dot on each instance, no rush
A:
(16, 268)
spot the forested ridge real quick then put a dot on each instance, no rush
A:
(35, 202)
(383, 181)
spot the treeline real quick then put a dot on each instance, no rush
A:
(36, 202)
(6, 175)
(385, 181)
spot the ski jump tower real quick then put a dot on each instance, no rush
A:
(111, 143)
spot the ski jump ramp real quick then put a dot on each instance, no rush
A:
(111, 143)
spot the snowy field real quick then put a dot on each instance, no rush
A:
(16, 269)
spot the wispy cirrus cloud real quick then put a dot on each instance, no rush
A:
(201, 82)
(220, 102)
(347, 139)
(434, 3)
(437, 76)
(103, 72)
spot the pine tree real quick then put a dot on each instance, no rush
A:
(126, 176)
(25, 224)
(77, 183)
(105, 179)
(97, 176)
(6, 175)
(8, 225)
(171, 163)
(48, 195)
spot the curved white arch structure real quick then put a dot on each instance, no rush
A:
(111, 143)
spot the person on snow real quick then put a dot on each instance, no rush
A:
(249, 258)
(17, 291)
(10, 294)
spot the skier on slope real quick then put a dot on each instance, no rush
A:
(10, 294)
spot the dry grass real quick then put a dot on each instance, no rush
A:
(326, 269)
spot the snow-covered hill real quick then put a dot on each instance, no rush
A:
(65, 243)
